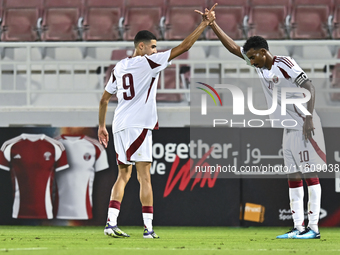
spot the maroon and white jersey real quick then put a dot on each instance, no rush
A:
(86, 156)
(135, 82)
(32, 160)
(285, 73)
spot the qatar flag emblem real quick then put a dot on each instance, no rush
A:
(87, 156)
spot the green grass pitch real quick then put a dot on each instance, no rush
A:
(174, 240)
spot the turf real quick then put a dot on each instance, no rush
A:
(174, 240)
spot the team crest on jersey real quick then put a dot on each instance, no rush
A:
(275, 79)
(47, 155)
(87, 156)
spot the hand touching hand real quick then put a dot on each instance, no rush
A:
(208, 15)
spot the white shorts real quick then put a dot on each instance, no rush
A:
(302, 155)
(133, 145)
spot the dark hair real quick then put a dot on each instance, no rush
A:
(144, 36)
(256, 43)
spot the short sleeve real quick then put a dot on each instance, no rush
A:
(159, 61)
(291, 69)
(4, 163)
(111, 85)
(61, 157)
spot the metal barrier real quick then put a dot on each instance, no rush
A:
(27, 72)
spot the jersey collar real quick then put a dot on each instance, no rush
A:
(33, 137)
(64, 136)
(274, 58)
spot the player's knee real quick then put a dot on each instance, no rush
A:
(144, 179)
(294, 177)
(125, 177)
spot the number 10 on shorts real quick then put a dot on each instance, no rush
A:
(304, 156)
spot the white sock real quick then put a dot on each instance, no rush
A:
(112, 216)
(147, 218)
(314, 204)
(296, 207)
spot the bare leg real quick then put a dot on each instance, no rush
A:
(295, 177)
(144, 178)
(146, 197)
(117, 194)
(124, 174)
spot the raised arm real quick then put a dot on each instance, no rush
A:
(192, 38)
(226, 40)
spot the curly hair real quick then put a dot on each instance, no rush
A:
(255, 42)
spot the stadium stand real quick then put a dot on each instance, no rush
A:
(170, 81)
(1, 10)
(143, 15)
(269, 18)
(61, 19)
(103, 20)
(336, 20)
(20, 17)
(232, 16)
(62, 75)
(72, 86)
(335, 79)
(179, 12)
(106, 20)
(310, 19)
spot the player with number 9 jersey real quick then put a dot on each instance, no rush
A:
(135, 82)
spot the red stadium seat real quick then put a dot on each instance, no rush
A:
(267, 18)
(336, 20)
(60, 20)
(143, 15)
(230, 16)
(335, 80)
(180, 18)
(103, 20)
(20, 19)
(310, 19)
(121, 54)
(170, 82)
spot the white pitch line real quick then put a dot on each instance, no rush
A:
(200, 249)
(23, 249)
